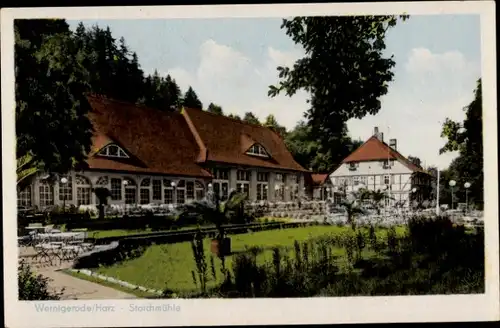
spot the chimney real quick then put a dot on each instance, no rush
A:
(393, 144)
(375, 131)
(381, 136)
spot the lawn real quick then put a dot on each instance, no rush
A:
(170, 265)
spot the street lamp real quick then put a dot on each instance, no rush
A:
(125, 183)
(64, 180)
(452, 184)
(467, 186)
(414, 191)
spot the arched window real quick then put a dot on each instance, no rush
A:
(144, 191)
(130, 191)
(190, 190)
(46, 193)
(103, 181)
(83, 190)
(66, 189)
(24, 196)
(199, 190)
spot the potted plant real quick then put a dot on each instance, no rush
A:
(213, 209)
(102, 195)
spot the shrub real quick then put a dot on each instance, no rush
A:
(33, 287)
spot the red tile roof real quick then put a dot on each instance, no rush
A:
(226, 140)
(319, 178)
(174, 143)
(375, 150)
(159, 142)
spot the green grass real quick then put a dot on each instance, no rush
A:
(170, 265)
(136, 292)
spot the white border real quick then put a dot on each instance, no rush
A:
(261, 311)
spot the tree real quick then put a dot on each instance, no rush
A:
(308, 152)
(234, 117)
(344, 70)
(191, 99)
(213, 209)
(467, 139)
(415, 160)
(271, 123)
(251, 118)
(216, 109)
(51, 81)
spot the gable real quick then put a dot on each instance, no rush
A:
(228, 141)
(376, 150)
(154, 141)
(113, 150)
(258, 150)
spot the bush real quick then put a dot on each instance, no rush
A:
(33, 287)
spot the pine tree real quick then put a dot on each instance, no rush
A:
(191, 99)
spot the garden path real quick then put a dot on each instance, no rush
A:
(74, 288)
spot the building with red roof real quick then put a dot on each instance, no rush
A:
(144, 155)
(376, 165)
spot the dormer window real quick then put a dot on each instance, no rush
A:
(257, 150)
(113, 151)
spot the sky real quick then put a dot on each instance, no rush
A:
(232, 61)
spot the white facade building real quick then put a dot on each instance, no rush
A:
(378, 166)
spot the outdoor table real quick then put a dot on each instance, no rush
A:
(35, 228)
(58, 236)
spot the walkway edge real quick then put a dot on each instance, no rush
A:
(116, 281)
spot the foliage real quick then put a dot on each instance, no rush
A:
(213, 210)
(25, 168)
(343, 69)
(415, 160)
(308, 151)
(271, 123)
(251, 118)
(161, 92)
(191, 99)
(201, 263)
(467, 139)
(234, 116)
(51, 81)
(216, 109)
(33, 287)
(434, 257)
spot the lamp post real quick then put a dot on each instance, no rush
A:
(414, 192)
(266, 187)
(64, 180)
(125, 183)
(437, 192)
(467, 186)
(174, 194)
(452, 184)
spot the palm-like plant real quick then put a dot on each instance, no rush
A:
(25, 168)
(352, 206)
(377, 197)
(213, 209)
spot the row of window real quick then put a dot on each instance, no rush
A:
(160, 189)
(245, 175)
(388, 179)
(385, 164)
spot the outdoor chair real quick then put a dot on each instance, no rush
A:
(48, 251)
(70, 251)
